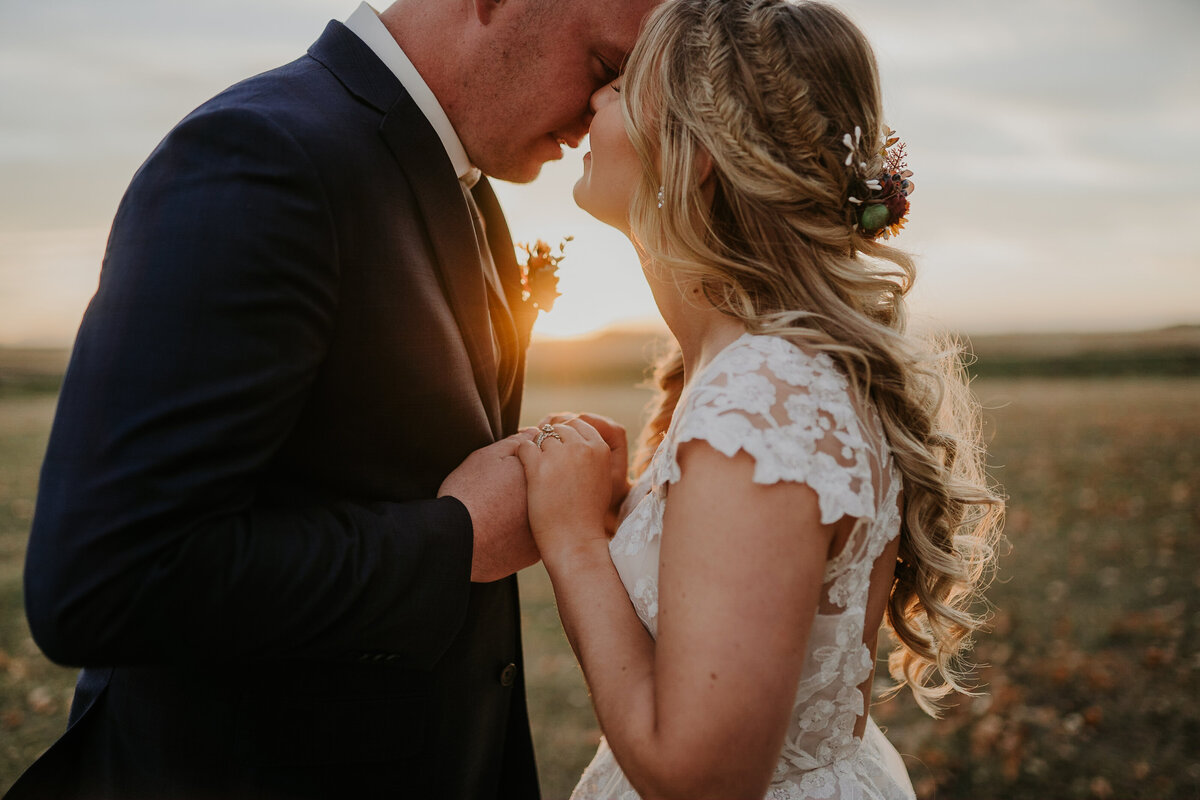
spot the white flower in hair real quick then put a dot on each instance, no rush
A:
(852, 144)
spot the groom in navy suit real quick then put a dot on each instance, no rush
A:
(279, 517)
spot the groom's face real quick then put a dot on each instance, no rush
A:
(549, 57)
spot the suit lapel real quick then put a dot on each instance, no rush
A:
(417, 148)
(419, 152)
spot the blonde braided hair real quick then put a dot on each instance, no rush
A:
(767, 89)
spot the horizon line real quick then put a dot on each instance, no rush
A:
(655, 329)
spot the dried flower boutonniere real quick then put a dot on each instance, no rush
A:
(539, 273)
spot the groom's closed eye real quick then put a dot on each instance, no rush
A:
(608, 71)
(610, 60)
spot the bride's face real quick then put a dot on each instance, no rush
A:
(611, 170)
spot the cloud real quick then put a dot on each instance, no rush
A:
(1052, 144)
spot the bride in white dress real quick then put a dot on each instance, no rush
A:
(814, 473)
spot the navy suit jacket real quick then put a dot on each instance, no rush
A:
(237, 534)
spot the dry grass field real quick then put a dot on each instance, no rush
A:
(1092, 674)
(34, 694)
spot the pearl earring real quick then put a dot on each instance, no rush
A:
(661, 191)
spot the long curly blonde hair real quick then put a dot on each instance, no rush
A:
(768, 89)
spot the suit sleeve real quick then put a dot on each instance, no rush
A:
(215, 307)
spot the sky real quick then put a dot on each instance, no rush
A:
(1054, 146)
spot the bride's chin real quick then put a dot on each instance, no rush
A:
(579, 193)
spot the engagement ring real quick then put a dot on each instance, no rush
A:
(547, 431)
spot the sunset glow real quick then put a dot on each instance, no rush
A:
(1052, 192)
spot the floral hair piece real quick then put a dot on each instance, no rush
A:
(883, 208)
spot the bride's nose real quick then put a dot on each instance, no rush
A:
(602, 97)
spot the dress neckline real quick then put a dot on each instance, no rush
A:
(695, 379)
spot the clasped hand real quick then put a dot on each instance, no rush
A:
(491, 483)
(574, 479)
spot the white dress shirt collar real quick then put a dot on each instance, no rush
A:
(365, 24)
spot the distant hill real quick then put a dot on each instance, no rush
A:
(28, 369)
(1167, 351)
(625, 356)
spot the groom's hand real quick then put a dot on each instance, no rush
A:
(491, 484)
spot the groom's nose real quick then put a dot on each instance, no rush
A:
(575, 134)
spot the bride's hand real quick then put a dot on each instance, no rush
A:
(614, 436)
(569, 483)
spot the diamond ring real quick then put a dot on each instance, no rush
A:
(547, 431)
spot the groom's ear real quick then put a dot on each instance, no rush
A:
(484, 9)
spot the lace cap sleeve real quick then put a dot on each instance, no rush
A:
(791, 412)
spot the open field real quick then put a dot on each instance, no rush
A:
(1093, 673)
(34, 694)
(1093, 683)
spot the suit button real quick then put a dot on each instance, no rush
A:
(508, 675)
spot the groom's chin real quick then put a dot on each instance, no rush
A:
(525, 173)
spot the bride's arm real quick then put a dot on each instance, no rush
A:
(703, 712)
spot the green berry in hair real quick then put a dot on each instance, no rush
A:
(874, 217)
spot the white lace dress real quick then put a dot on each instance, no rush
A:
(793, 413)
